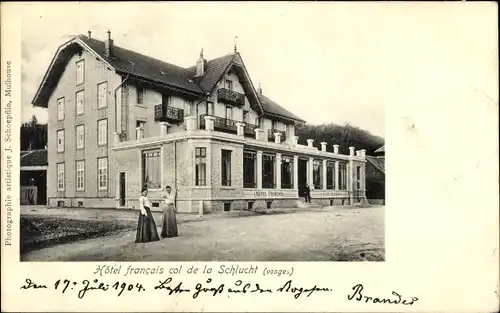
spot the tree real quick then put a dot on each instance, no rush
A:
(33, 135)
(345, 136)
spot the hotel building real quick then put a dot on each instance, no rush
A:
(119, 120)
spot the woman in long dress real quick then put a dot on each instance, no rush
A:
(146, 226)
(169, 220)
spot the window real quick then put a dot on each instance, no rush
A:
(273, 124)
(342, 176)
(249, 169)
(102, 172)
(80, 104)
(60, 176)
(227, 206)
(249, 205)
(210, 107)
(286, 172)
(330, 175)
(80, 72)
(60, 140)
(226, 168)
(260, 123)
(229, 112)
(142, 126)
(187, 105)
(317, 174)
(165, 99)
(60, 109)
(200, 166)
(102, 95)
(268, 169)
(269, 204)
(286, 129)
(151, 169)
(80, 175)
(102, 132)
(140, 95)
(80, 136)
(229, 84)
(245, 116)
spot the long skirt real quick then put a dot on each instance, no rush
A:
(169, 222)
(146, 228)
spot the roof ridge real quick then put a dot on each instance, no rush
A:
(208, 61)
(26, 154)
(33, 150)
(377, 166)
(139, 53)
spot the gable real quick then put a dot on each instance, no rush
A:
(240, 84)
(54, 72)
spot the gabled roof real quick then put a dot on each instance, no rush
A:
(380, 150)
(34, 158)
(377, 162)
(136, 64)
(273, 109)
(214, 69)
(128, 62)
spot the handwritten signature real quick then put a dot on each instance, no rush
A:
(357, 295)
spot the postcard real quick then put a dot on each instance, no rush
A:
(231, 157)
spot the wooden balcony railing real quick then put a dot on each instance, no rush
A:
(220, 124)
(270, 134)
(230, 96)
(167, 113)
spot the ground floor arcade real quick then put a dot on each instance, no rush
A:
(216, 173)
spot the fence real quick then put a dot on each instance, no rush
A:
(28, 194)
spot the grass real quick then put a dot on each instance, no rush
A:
(42, 232)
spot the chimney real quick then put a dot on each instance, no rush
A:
(200, 65)
(108, 44)
(90, 34)
(260, 90)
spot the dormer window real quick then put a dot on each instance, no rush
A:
(229, 84)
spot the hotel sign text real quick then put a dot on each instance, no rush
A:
(267, 194)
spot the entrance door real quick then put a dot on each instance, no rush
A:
(122, 189)
(302, 176)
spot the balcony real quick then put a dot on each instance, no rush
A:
(166, 113)
(230, 97)
(249, 130)
(220, 124)
(270, 134)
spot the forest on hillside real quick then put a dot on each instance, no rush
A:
(343, 135)
(34, 136)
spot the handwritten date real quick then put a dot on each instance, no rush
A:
(85, 286)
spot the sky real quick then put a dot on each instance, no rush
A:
(326, 62)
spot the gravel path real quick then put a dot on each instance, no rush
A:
(330, 234)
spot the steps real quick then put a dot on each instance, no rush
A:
(306, 205)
